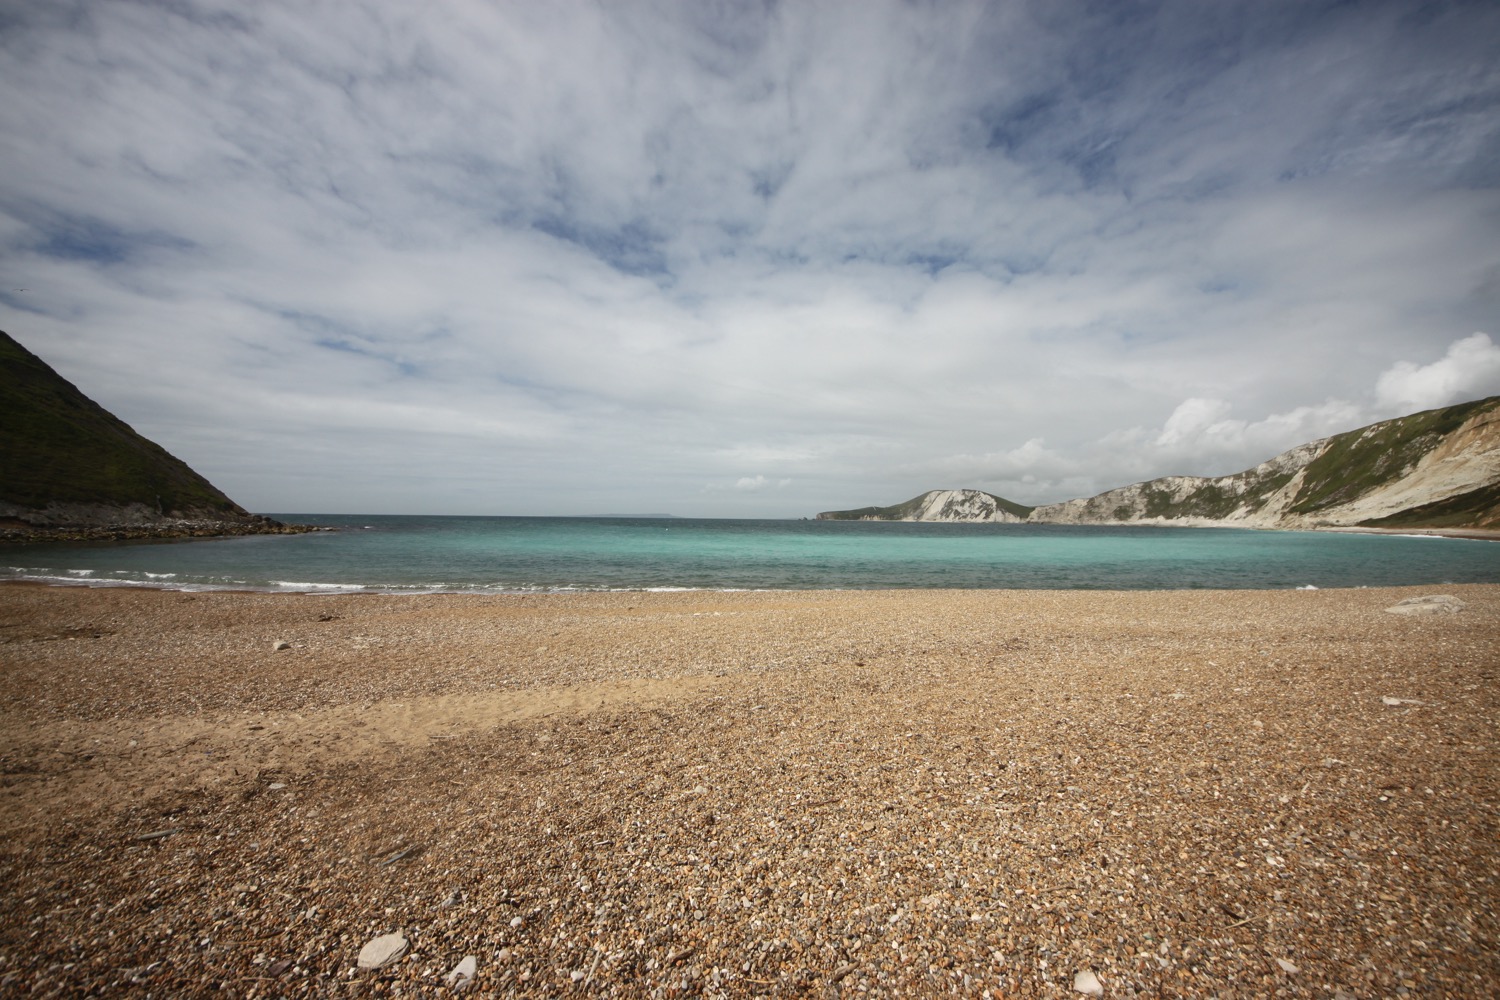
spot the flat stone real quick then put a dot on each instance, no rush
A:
(1428, 604)
(279, 645)
(382, 951)
(1085, 982)
(463, 973)
(1287, 967)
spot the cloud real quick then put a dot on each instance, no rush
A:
(1195, 419)
(1470, 369)
(579, 257)
(755, 484)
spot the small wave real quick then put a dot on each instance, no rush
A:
(80, 572)
(156, 576)
(320, 587)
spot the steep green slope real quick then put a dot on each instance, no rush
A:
(59, 446)
(1358, 462)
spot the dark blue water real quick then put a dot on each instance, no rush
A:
(500, 554)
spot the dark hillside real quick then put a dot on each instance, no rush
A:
(59, 446)
(68, 463)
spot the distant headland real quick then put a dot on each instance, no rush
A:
(1437, 470)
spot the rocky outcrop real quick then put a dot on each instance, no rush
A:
(1434, 469)
(106, 522)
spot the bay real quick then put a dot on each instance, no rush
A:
(411, 554)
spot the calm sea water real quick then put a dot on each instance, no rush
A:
(505, 554)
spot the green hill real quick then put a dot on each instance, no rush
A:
(66, 463)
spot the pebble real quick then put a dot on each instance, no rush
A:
(1085, 982)
(279, 645)
(1287, 967)
(927, 834)
(382, 951)
(462, 974)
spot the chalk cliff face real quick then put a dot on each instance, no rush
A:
(939, 505)
(1254, 498)
(1437, 468)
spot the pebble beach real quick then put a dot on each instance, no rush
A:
(727, 794)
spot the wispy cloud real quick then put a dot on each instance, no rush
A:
(537, 258)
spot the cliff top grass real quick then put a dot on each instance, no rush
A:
(1358, 461)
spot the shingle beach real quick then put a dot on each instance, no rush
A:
(822, 793)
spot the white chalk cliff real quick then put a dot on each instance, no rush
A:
(1438, 468)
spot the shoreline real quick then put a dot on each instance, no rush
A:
(749, 793)
(1470, 534)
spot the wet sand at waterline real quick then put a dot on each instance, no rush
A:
(1187, 793)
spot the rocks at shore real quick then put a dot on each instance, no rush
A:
(17, 529)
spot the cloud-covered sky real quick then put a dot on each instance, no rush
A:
(747, 259)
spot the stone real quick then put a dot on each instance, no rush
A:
(1428, 604)
(1085, 982)
(1287, 967)
(382, 951)
(463, 973)
(279, 645)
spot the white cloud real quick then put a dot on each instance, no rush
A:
(1470, 369)
(755, 484)
(580, 257)
(1195, 419)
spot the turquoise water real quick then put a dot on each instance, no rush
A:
(508, 554)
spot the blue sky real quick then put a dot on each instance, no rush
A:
(747, 259)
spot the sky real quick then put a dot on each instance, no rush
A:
(746, 259)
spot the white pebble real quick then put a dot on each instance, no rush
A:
(1085, 982)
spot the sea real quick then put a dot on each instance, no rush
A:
(426, 554)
